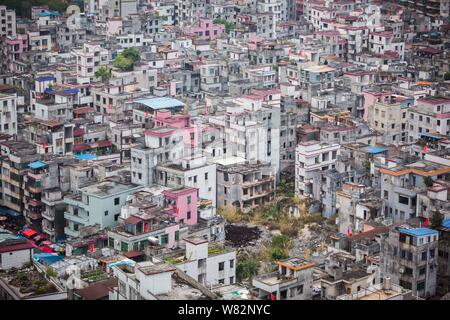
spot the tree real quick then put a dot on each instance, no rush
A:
(103, 73)
(428, 181)
(436, 219)
(132, 54)
(246, 268)
(123, 63)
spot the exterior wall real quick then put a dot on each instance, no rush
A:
(15, 259)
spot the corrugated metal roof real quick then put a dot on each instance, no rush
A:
(160, 102)
(418, 232)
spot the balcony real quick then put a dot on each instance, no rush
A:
(48, 230)
(77, 219)
(71, 233)
(48, 216)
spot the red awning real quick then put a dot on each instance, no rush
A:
(29, 233)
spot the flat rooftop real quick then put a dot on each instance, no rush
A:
(108, 188)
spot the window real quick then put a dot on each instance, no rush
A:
(221, 266)
(406, 284)
(231, 264)
(189, 199)
(424, 256)
(231, 279)
(422, 271)
(421, 286)
(403, 200)
(432, 252)
(116, 201)
(188, 214)
(164, 239)
(106, 213)
(177, 235)
(206, 176)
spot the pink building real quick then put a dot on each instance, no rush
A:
(13, 51)
(206, 29)
(179, 121)
(183, 204)
(371, 97)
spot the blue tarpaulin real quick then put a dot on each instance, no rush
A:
(446, 223)
(372, 149)
(37, 165)
(85, 156)
(47, 258)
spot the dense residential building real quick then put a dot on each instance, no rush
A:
(224, 149)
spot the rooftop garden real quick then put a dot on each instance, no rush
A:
(94, 276)
(32, 283)
(214, 250)
(174, 260)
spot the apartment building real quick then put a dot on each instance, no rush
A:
(401, 184)
(97, 204)
(89, 59)
(8, 114)
(390, 119)
(155, 280)
(430, 115)
(13, 52)
(311, 156)
(209, 264)
(244, 185)
(7, 22)
(193, 172)
(410, 259)
(292, 281)
(16, 156)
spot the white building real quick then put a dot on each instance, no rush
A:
(90, 58)
(312, 156)
(14, 253)
(8, 113)
(7, 22)
(208, 265)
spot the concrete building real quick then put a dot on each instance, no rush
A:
(311, 156)
(155, 280)
(210, 265)
(292, 281)
(401, 184)
(89, 59)
(8, 114)
(410, 258)
(244, 185)
(431, 115)
(7, 22)
(97, 204)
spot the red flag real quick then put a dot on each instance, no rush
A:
(272, 297)
(146, 227)
(146, 114)
(91, 247)
(427, 222)
(425, 149)
(348, 232)
(44, 146)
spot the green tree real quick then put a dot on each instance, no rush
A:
(246, 268)
(428, 181)
(447, 76)
(436, 219)
(132, 54)
(123, 63)
(103, 73)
